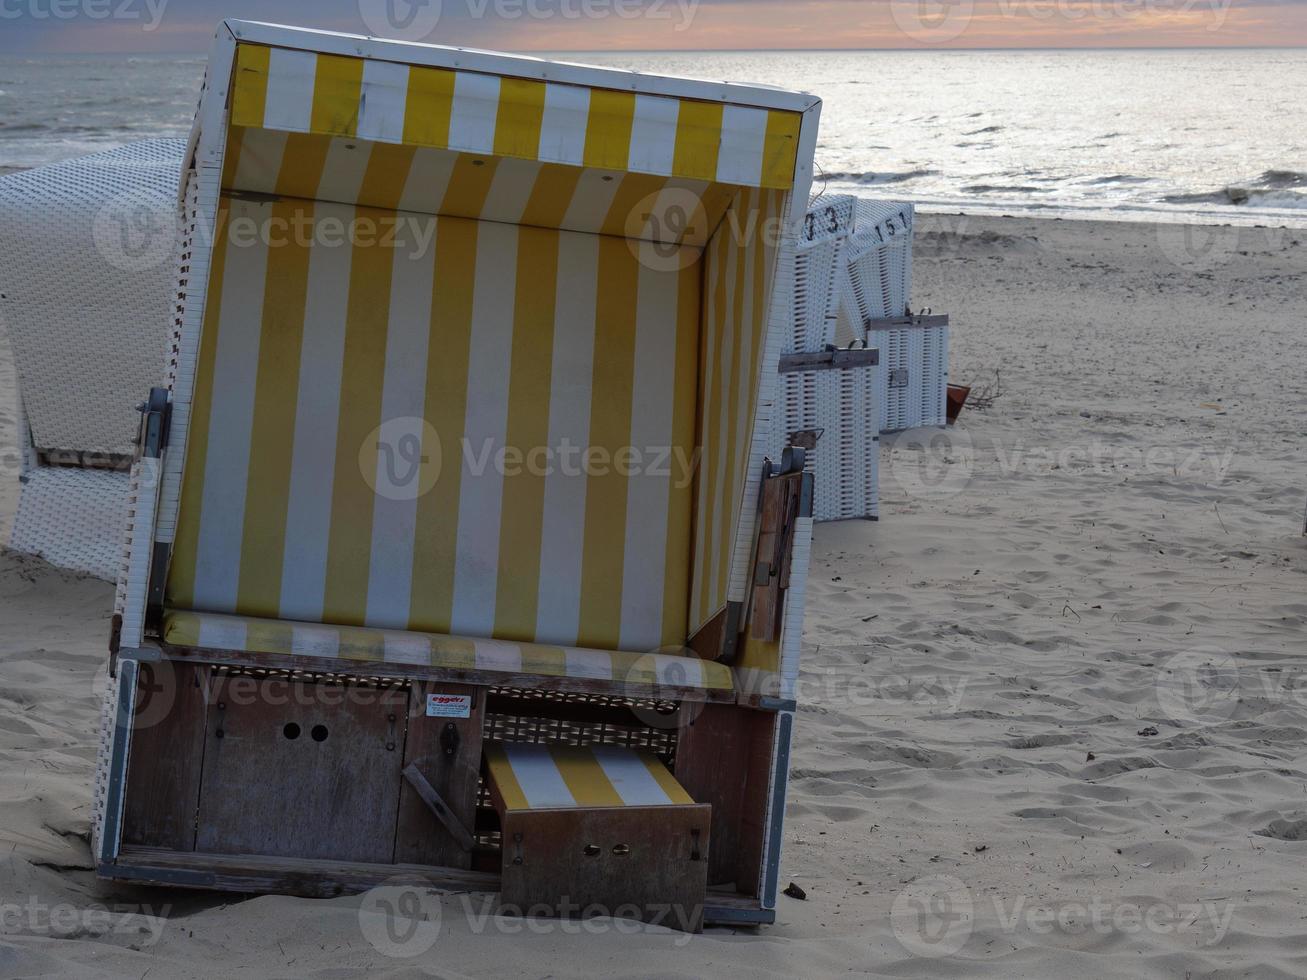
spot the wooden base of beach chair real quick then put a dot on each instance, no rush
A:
(598, 830)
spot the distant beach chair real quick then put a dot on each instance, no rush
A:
(88, 284)
(831, 400)
(411, 274)
(875, 291)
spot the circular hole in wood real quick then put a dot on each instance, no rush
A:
(592, 850)
(621, 850)
(319, 733)
(291, 731)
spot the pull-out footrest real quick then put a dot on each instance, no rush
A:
(599, 830)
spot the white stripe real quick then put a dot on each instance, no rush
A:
(563, 124)
(653, 394)
(653, 134)
(493, 655)
(538, 776)
(563, 524)
(473, 113)
(317, 408)
(592, 200)
(259, 165)
(231, 421)
(314, 641)
(407, 648)
(702, 559)
(403, 402)
(381, 104)
(634, 783)
(289, 104)
(485, 429)
(221, 633)
(678, 671)
(343, 170)
(739, 159)
(424, 192)
(594, 664)
(721, 505)
(510, 190)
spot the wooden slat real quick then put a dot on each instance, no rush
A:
(421, 838)
(890, 323)
(163, 774)
(427, 793)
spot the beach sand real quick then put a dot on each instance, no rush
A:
(1053, 709)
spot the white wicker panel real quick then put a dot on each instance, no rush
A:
(108, 714)
(73, 518)
(87, 262)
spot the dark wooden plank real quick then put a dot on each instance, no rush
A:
(723, 758)
(164, 764)
(647, 863)
(304, 770)
(290, 876)
(893, 322)
(830, 360)
(442, 675)
(427, 793)
(421, 838)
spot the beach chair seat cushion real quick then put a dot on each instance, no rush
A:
(534, 776)
(359, 645)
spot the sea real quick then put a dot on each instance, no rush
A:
(1213, 135)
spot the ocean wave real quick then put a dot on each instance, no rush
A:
(1281, 179)
(1119, 179)
(987, 129)
(875, 177)
(1004, 188)
(1249, 197)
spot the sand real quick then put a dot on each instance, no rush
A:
(1054, 714)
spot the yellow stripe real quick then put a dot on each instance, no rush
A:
(387, 173)
(431, 603)
(610, 430)
(517, 126)
(548, 661)
(666, 781)
(698, 139)
(529, 385)
(680, 543)
(249, 98)
(181, 572)
(430, 103)
(504, 779)
(302, 164)
(181, 629)
(608, 129)
(361, 644)
(629, 211)
(349, 550)
(469, 186)
(551, 196)
(729, 449)
(267, 488)
(715, 331)
(454, 652)
(231, 156)
(780, 149)
(267, 636)
(337, 87)
(584, 777)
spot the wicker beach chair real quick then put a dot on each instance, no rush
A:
(88, 283)
(834, 405)
(875, 290)
(432, 271)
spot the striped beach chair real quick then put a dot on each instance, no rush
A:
(470, 412)
(88, 285)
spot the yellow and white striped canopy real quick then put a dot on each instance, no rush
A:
(367, 99)
(530, 776)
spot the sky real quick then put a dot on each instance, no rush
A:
(180, 26)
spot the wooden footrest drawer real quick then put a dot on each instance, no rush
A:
(599, 830)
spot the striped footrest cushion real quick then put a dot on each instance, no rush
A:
(529, 776)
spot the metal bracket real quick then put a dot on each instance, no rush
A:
(898, 377)
(449, 739)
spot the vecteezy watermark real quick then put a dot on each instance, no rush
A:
(402, 459)
(142, 924)
(1197, 248)
(404, 918)
(930, 462)
(933, 916)
(936, 915)
(942, 21)
(137, 231)
(416, 20)
(1199, 686)
(149, 11)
